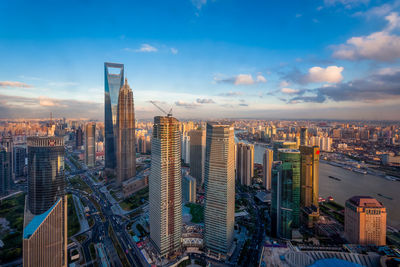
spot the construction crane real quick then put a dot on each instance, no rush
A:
(169, 113)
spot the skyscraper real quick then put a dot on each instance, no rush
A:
(285, 208)
(113, 81)
(309, 181)
(197, 154)
(126, 143)
(244, 163)
(189, 188)
(267, 168)
(19, 161)
(8, 143)
(45, 218)
(5, 170)
(79, 137)
(90, 144)
(185, 148)
(303, 136)
(165, 186)
(219, 184)
(365, 221)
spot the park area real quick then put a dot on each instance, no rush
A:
(197, 212)
(136, 200)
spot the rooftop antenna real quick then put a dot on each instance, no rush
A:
(169, 113)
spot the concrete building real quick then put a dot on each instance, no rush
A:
(365, 221)
(267, 168)
(219, 184)
(244, 163)
(285, 208)
(309, 182)
(185, 148)
(189, 188)
(5, 170)
(90, 144)
(303, 136)
(78, 138)
(135, 184)
(165, 186)
(19, 159)
(45, 217)
(126, 143)
(197, 154)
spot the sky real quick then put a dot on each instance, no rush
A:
(207, 59)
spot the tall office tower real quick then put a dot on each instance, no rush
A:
(189, 188)
(365, 221)
(267, 168)
(90, 144)
(244, 163)
(309, 181)
(303, 136)
(185, 148)
(325, 143)
(45, 218)
(282, 144)
(219, 184)
(5, 170)
(113, 81)
(78, 137)
(8, 144)
(285, 209)
(165, 186)
(197, 154)
(126, 143)
(19, 161)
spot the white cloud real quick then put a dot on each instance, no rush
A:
(379, 46)
(244, 79)
(174, 51)
(199, 3)
(331, 74)
(144, 48)
(231, 93)
(261, 79)
(62, 84)
(347, 3)
(48, 102)
(186, 104)
(205, 101)
(14, 84)
(289, 90)
(284, 84)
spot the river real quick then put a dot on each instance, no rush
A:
(353, 184)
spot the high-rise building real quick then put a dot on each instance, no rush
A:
(197, 154)
(244, 163)
(267, 168)
(19, 161)
(219, 184)
(285, 208)
(186, 148)
(126, 143)
(78, 137)
(303, 136)
(282, 144)
(165, 186)
(365, 221)
(45, 218)
(8, 143)
(113, 81)
(90, 144)
(189, 188)
(309, 181)
(5, 170)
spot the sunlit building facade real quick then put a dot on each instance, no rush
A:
(113, 81)
(197, 154)
(219, 185)
(267, 168)
(165, 186)
(90, 144)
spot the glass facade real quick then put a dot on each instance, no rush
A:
(112, 83)
(46, 172)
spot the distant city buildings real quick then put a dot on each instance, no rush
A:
(185, 148)
(267, 168)
(78, 138)
(197, 154)
(165, 186)
(365, 221)
(126, 143)
(285, 208)
(244, 163)
(90, 144)
(189, 188)
(45, 218)
(303, 136)
(114, 80)
(219, 184)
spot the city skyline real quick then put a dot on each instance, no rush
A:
(321, 60)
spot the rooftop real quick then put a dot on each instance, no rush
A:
(365, 201)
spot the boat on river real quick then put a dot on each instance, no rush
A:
(387, 197)
(334, 178)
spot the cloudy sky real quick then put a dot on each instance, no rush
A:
(205, 58)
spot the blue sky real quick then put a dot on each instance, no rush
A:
(206, 58)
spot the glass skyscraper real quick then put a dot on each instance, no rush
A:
(113, 81)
